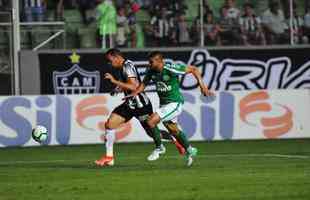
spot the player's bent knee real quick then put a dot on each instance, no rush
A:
(110, 125)
(172, 128)
(153, 120)
(151, 123)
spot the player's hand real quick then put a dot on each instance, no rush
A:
(109, 77)
(206, 92)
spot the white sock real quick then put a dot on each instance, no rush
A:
(110, 136)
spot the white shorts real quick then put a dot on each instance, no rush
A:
(170, 112)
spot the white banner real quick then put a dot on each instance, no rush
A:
(228, 115)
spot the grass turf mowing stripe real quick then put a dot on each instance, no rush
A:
(167, 157)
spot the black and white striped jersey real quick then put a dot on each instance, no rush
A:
(129, 71)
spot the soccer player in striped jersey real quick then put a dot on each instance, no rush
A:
(140, 107)
(165, 76)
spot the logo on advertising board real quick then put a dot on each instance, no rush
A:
(275, 119)
(76, 80)
(96, 106)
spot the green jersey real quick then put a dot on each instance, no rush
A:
(167, 82)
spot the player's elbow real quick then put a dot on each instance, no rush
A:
(133, 87)
(193, 70)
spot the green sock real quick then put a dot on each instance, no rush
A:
(156, 136)
(165, 135)
(181, 137)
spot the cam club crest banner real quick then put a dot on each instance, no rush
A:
(74, 74)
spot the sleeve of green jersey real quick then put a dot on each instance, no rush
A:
(177, 68)
(147, 78)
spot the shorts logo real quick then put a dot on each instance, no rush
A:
(76, 80)
(275, 125)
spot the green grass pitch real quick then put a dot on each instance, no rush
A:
(274, 169)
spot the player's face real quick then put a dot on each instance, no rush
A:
(116, 61)
(156, 63)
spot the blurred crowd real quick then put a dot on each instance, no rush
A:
(233, 26)
(168, 25)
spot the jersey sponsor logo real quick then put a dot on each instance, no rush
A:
(76, 80)
(162, 87)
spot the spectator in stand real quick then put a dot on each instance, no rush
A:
(250, 26)
(211, 31)
(228, 28)
(144, 3)
(307, 23)
(196, 27)
(122, 28)
(34, 10)
(298, 25)
(206, 6)
(274, 25)
(106, 16)
(61, 5)
(157, 5)
(182, 31)
(161, 28)
(232, 11)
(177, 6)
(132, 9)
(83, 6)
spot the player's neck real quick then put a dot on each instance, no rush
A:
(123, 62)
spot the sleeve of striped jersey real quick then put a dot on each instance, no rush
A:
(130, 70)
(147, 78)
(177, 68)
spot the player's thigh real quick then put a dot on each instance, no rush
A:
(170, 112)
(172, 127)
(114, 121)
(120, 115)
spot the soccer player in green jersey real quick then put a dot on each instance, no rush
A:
(166, 78)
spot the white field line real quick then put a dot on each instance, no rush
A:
(165, 157)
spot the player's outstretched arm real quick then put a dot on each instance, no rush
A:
(130, 85)
(204, 88)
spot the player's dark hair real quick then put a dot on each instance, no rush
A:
(154, 54)
(248, 4)
(113, 52)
